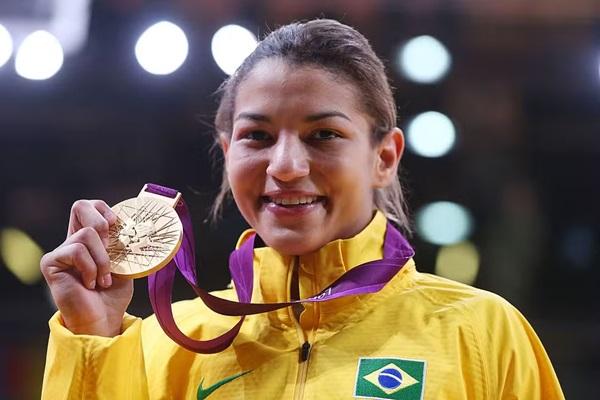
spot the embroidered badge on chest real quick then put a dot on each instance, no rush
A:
(390, 378)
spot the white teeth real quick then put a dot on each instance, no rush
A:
(295, 201)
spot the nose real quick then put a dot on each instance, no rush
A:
(288, 158)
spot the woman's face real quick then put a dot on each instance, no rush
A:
(300, 163)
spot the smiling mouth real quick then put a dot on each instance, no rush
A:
(290, 202)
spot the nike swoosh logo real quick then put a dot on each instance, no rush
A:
(204, 393)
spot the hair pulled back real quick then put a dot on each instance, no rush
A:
(347, 54)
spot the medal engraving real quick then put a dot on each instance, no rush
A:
(145, 237)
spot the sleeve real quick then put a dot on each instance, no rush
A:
(517, 365)
(85, 367)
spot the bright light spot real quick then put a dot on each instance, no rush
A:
(6, 45)
(444, 223)
(459, 262)
(231, 45)
(21, 255)
(431, 134)
(162, 48)
(39, 57)
(424, 59)
(69, 22)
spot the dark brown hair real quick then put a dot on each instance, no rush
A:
(343, 51)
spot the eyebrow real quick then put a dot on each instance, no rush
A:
(253, 117)
(309, 118)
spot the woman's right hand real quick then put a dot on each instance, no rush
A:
(90, 300)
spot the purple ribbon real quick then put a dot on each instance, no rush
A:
(369, 277)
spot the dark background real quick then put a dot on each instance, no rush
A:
(523, 91)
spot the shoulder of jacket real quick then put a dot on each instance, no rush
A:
(446, 293)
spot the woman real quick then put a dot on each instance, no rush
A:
(307, 126)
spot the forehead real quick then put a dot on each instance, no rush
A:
(276, 81)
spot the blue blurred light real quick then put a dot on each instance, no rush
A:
(444, 223)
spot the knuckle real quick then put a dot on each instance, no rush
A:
(87, 232)
(79, 252)
(101, 226)
(78, 204)
(100, 203)
(44, 261)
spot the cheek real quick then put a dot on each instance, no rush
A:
(351, 180)
(354, 172)
(245, 172)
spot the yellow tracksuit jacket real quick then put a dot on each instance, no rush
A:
(420, 337)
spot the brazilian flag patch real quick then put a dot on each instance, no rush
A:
(390, 378)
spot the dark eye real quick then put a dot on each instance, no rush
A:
(325, 134)
(257, 135)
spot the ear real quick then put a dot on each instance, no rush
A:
(388, 152)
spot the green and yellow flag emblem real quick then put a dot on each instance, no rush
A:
(390, 378)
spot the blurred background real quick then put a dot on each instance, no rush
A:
(499, 101)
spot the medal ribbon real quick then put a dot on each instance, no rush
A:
(369, 277)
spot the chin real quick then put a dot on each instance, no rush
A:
(292, 243)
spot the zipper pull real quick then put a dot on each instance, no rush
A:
(304, 351)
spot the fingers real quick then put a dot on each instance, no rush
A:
(85, 252)
(105, 210)
(95, 214)
(77, 255)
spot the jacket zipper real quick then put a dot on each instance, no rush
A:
(302, 371)
(304, 351)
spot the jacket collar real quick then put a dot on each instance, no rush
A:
(273, 273)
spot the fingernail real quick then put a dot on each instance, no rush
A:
(107, 280)
(92, 284)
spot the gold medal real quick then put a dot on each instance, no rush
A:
(146, 236)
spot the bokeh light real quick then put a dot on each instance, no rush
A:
(431, 134)
(6, 45)
(424, 59)
(459, 262)
(162, 48)
(40, 56)
(231, 45)
(21, 255)
(444, 223)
